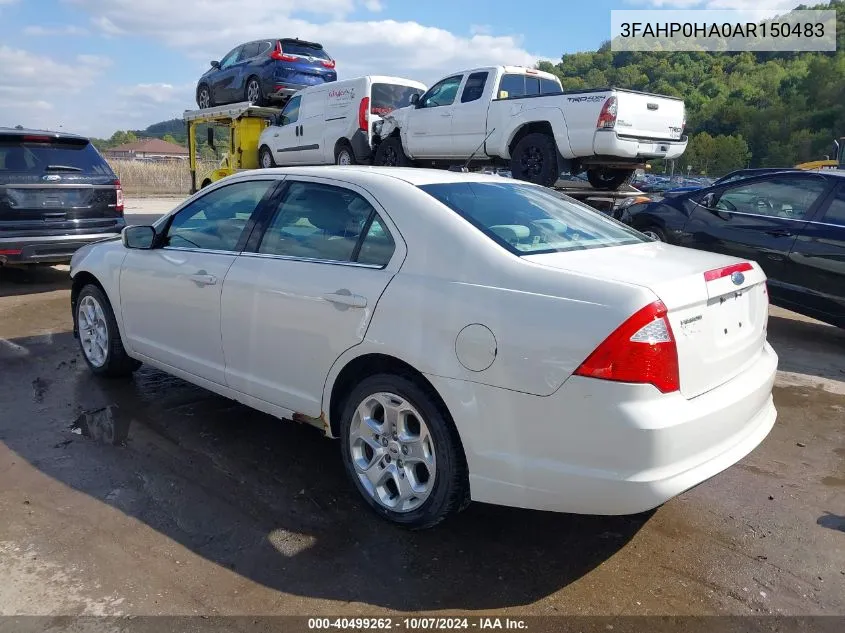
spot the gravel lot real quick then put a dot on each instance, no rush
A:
(210, 508)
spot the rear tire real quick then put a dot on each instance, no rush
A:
(390, 153)
(344, 155)
(265, 157)
(609, 179)
(99, 336)
(417, 463)
(253, 92)
(534, 159)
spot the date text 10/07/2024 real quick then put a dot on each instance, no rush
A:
(416, 623)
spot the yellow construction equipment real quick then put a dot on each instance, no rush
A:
(244, 123)
(837, 162)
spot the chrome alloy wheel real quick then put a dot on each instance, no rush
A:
(93, 330)
(392, 452)
(253, 91)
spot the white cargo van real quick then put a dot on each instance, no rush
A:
(332, 123)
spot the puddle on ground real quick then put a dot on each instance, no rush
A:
(106, 425)
(834, 481)
(832, 521)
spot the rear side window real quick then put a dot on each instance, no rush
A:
(388, 97)
(304, 50)
(250, 50)
(529, 220)
(474, 87)
(835, 213)
(549, 86)
(519, 85)
(66, 157)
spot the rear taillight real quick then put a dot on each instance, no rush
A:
(329, 63)
(278, 55)
(364, 114)
(641, 350)
(727, 271)
(119, 201)
(607, 116)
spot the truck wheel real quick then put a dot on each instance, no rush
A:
(343, 155)
(534, 159)
(609, 179)
(265, 157)
(391, 154)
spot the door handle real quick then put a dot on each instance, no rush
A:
(445, 114)
(780, 233)
(345, 298)
(203, 279)
(301, 131)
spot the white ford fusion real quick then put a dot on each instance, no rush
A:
(464, 336)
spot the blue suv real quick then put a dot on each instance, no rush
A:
(265, 72)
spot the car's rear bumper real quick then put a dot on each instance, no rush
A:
(600, 447)
(47, 249)
(611, 144)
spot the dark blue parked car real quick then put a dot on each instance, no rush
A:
(264, 72)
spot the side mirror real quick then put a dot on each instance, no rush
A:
(709, 200)
(210, 137)
(415, 99)
(215, 64)
(140, 237)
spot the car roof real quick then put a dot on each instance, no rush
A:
(412, 175)
(12, 131)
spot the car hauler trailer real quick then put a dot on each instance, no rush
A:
(244, 123)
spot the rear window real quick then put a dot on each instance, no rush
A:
(298, 48)
(64, 157)
(529, 220)
(388, 97)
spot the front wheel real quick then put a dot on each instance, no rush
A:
(534, 159)
(402, 453)
(390, 153)
(654, 233)
(204, 99)
(265, 157)
(99, 337)
(609, 179)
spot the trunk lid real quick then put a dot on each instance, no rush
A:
(719, 325)
(645, 115)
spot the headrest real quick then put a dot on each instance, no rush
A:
(511, 233)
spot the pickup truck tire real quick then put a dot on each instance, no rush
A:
(391, 154)
(609, 179)
(265, 158)
(534, 159)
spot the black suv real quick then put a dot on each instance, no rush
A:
(57, 193)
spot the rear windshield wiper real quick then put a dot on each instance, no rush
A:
(62, 168)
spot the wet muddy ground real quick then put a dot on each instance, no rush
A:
(151, 496)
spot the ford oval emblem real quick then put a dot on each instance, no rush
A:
(737, 278)
(51, 178)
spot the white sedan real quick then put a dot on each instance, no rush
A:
(466, 337)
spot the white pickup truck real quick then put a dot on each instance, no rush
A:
(521, 118)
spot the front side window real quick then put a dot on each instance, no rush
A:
(442, 93)
(328, 223)
(216, 221)
(788, 198)
(231, 57)
(474, 87)
(529, 220)
(291, 112)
